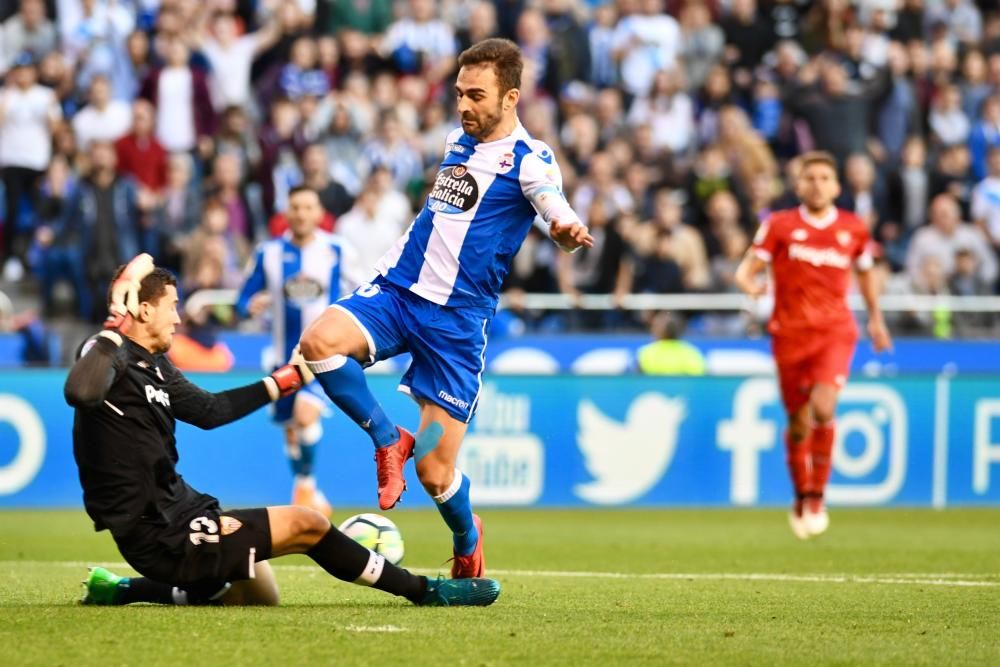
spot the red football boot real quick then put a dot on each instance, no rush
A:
(473, 565)
(389, 462)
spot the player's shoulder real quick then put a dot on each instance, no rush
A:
(454, 136)
(850, 220)
(783, 218)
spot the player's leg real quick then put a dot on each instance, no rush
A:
(794, 394)
(303, 433)
(436, 451)
(361, 328)
(303, 531)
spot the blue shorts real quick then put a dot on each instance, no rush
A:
(447, 344)
(281, 410)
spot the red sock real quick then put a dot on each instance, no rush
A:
(821, 447)
(797, 457)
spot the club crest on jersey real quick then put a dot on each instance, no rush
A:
(800, 234)
(505, 163)
(302, 289)
(843, 237)
(455, 191)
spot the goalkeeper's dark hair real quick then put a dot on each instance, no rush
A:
(152, 288)
(502, 54)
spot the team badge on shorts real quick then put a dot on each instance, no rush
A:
(229, 525)
(843, 237)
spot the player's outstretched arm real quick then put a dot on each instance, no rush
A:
(879, 333)
(747, 277)
(208, 410)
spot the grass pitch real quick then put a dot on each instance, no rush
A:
(892, 587)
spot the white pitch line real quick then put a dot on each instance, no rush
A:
(956, 579)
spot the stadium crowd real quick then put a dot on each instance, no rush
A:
(177, 127)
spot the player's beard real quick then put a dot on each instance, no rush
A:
(485, 123)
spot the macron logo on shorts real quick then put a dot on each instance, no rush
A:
(818, 256)
(457, 402)
(158, 395)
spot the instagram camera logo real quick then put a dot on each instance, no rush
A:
(874, 415)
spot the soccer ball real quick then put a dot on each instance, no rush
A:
(375, 532)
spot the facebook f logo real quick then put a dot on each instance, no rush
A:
(746, 435)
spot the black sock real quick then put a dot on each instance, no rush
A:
(141, 589)
(349, 561)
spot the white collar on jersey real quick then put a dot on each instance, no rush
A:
(819, 223)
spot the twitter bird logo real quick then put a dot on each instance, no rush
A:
(627, 460)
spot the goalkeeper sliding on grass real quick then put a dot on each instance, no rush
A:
(127, 397)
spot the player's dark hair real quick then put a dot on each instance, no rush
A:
(301, 188)
(818, 157)
(152, 288)
(503, 54)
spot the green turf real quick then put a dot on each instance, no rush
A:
(539, 619)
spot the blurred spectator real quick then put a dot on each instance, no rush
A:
(104, 119)
(951, 174)
(862, 193)
(391, 149)
(947, 120)
(179, 210)
(28, 113)
(421, 43)
(598, 270)
(184, 116)
(369, 17)
(986, 200)
(967, 280)
(215, 238)
(945, 235)
(838, 117)
(667, 354)
(365, 230)
(231, 57)
(974, 85)
(603, 187)
(899, 113)
(702, 42)
(645, 42)
(101, 221)
(244, 211)
(302, 76)
(601, 39)
(908, 193)
(569, 51)
(481, 24)
(748, 37)
(985, 135)
(316, 175)
(687, 247)
(650, 267)
(668, 111)
(28, 30)
(140, 154)
(961, 18)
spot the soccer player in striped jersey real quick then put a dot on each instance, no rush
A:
(438, 287)
(295, 278)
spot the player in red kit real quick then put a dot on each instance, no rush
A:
(811, 251)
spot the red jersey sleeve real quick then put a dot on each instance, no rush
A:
(862, 255)
(766, 240)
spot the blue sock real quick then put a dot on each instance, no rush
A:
(456, 511)
(344, 382)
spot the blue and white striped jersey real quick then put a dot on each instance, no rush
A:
(459, 248)
(301, 282)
